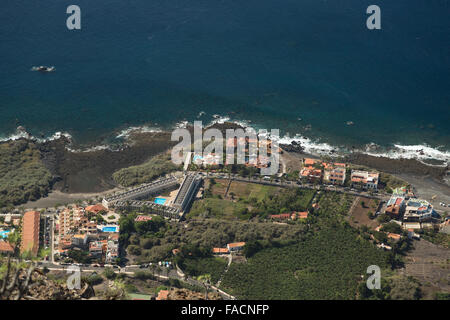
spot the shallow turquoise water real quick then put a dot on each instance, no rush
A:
(160, 200)
(109, 229)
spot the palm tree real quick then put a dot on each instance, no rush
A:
(158, 270)
(205, 279)
(152, 269)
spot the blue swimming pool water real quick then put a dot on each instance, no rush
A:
(160, 200)
(109, 229)
(4, 234)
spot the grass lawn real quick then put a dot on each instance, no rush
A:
(251, 190)
(218, 206)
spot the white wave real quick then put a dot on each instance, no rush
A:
(125, 134)
(419, 152)
(22, 134)
(219, 119)
(56, 136)
(93, 149)
(16, 136)
(201, 113)
(182, 124)
(310, 146)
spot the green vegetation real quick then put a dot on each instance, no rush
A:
(442, 296)
(94, 279)
(109, 273)
(154, 240)
(146, 172)
(249, 200)
(218, 208)
(197, 261)
(436, 237)
(392, 227)
(79, 256)
(393, 287)
(23, 176)
(333, 203)
(325, 265)
(389, 182)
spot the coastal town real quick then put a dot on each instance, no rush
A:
(90, 233)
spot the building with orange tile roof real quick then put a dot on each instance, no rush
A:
(220, 251)
(302, 215)
(310, 162)
(235, 246)
(6, 247)
(143, 218)
(334, 173)
(395, 207)
(280, 216)
(162, 295)
(96, 208)
(312, 170)
(364, 179)
(394, 236)
(30, 232)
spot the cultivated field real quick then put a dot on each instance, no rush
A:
(430, 264)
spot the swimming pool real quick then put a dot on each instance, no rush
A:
(160, 200)
(109, 229)
(4, 234)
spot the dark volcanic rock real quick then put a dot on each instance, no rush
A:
(80, 172)
(397, 166)
(293, 147)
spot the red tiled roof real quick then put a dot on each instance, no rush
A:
(5, 246)
(220, 250)
(302, 215)
(143, 218)
(96, 208)
(30, 232)
(309, 162)
(280, 216)
(236, 244)
(162, 295)
(394, 236)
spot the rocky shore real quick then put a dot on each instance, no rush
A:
(88, 172)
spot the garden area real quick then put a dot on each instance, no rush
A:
(244, 201)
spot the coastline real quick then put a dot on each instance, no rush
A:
(117, 139)
(87, 172)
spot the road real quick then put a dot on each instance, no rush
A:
(291, 184)
(130, 270)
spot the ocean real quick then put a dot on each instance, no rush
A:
(306, 67)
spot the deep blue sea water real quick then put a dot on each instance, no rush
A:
(159, 62)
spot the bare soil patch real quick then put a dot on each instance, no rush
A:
(430, 264)
(359, 213)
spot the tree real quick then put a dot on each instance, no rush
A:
(205, 279)
(251, 247)
(109, 273)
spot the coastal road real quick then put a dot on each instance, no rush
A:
(291, 184)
